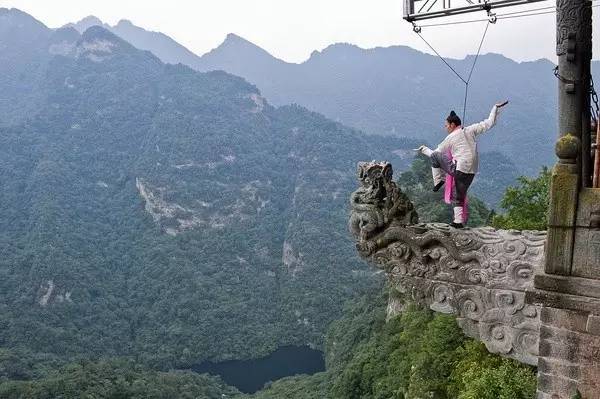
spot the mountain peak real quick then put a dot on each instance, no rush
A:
(65, 34)
(339, 48)
(124, 23)
(98, 43)
(99, 32)
(234, 48)
(86, 23)
(234, 40)
(91, 20)
(25, 29)
(17, 18)
(13, 12)
(234, 44)
(233, 36)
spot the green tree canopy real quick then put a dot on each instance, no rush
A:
(526, 204)
(418, 354)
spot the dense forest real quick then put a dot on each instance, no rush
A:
(413, 355)
(417, 354)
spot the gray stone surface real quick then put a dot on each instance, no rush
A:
(569, 355)
(568, 285)
(378, 202)
(480, 275)
(496, 282)
(593, 325)
(561, 222)
(586, 251)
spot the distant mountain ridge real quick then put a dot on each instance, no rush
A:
(391, 90)
(25, 100)
(161, 45)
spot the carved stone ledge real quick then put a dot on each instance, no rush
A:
(481, 275)
(499, 318)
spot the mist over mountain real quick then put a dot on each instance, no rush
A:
(403, 92)
(25, 42)
(400, 91)
(235, 51)
(397, 90)
(333, 82)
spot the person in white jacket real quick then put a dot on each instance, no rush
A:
(457, 157)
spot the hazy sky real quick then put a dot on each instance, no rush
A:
(292, 29)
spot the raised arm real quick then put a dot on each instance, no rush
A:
(487, 124)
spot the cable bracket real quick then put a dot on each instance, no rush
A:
(492, 17)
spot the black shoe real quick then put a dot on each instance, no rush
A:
(437, 187)
(457, 225)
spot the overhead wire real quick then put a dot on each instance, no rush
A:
(442, 58)
(514, 14)
(471, 72)
(466, 82)
(526, 15)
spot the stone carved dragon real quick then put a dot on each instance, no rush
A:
(479, 274)
(379, 202)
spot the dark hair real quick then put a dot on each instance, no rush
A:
(453, 118)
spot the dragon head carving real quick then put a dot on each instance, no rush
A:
(378, 202)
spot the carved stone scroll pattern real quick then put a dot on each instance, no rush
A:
(568, 14)
(479, 274)
(499, 318)
(483, 256)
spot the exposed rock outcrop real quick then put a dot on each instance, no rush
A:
(176, 218)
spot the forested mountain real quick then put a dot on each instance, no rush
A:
(153, 211)
(281, 80)
(403, 92)
(398, 90)
(25, 47)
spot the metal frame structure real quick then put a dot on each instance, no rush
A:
(415, 10)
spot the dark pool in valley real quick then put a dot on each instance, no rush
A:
(249, 376)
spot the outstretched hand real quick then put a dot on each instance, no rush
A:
(502, 104)
(424, 150)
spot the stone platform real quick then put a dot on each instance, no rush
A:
(494, 281)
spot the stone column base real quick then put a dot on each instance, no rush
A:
(569, 348)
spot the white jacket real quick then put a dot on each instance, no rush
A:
(462, 143)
